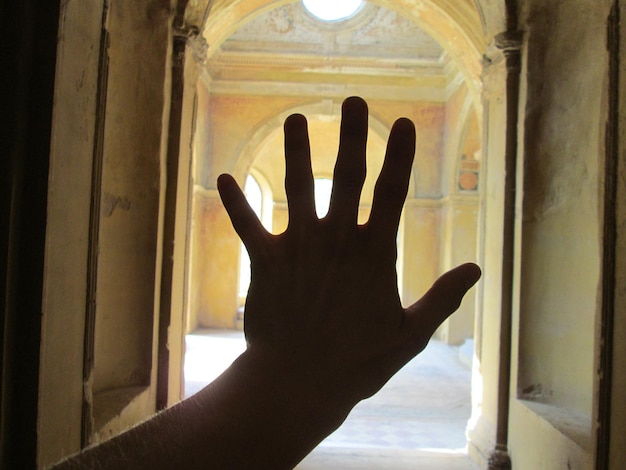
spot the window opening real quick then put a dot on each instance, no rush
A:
(323, 189)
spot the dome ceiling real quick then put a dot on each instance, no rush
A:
(376, 47)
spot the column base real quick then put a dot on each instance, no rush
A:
(499, 460)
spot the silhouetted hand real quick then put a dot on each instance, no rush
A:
(323, 294)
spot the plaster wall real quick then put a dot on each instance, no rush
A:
(421, 240)
(121, 256)
(214, 261)
(233, 122)
(459, 245)
(564, 111)
(130, 195)
(456, 111)
(429, 119)
(459, 211)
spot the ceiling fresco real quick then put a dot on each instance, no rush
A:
(376, 51)
(373, 31)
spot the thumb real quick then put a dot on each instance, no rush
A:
(443, 298)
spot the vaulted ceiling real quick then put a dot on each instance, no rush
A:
(377, 50)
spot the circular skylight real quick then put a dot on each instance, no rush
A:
(332, 10)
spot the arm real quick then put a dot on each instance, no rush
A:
(323, 319)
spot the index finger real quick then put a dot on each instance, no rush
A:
(393, 182)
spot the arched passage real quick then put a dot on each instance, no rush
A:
(260, 69)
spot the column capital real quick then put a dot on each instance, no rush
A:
(192, 37)
(509, 41)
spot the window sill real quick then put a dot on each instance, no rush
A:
(110, 404)
(574, 425)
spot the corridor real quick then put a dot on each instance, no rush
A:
(416, 421)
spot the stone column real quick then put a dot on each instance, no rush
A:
(482, 425)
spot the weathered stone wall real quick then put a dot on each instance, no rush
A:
(122, 249)
(564, 102)
(67, 235)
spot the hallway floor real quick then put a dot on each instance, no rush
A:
(416, 421)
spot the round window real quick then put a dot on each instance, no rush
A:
(332, 10)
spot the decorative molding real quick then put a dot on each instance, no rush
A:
(455, 81)
(265, 59)
(326, 90)
(492, 57)
(198, 46)
(425, 203)
(455, 200)
(493, 73)
(206, 79)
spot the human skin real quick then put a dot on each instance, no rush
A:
(323, 321)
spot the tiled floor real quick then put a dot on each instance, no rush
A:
(416, 421)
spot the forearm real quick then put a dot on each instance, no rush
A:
(255, 415)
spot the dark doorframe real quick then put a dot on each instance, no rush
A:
(28, 38)
(609, 244)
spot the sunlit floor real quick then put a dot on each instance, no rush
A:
(417, 420)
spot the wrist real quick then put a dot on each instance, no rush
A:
(312, 394)
(272, 398)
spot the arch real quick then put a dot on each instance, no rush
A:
(320, 110)
(492, 16)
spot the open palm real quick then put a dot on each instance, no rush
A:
(323, 294)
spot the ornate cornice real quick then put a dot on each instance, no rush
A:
(373, 65)
(325, 90)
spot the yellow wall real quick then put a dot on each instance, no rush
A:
(422, 227)
(554, 374)
(213, 263)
